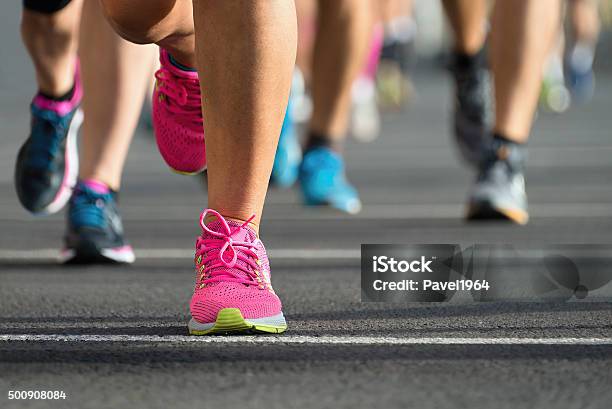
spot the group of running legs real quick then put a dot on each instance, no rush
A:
(220, 104)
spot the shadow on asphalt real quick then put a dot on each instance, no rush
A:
(440, 310)
(268, 354)
(181, 329)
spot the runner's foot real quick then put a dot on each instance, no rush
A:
(323, 181)
(47, 163)
(233, 292)
(177, 116)
(95, 231)
(499, 190)
(472, 105)
(580, 76)
(288, 153)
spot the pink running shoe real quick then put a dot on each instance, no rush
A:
(177, 117)
(233, 291)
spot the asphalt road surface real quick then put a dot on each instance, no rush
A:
(116, 336)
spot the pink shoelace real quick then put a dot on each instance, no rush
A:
(212, 255)
(182, 94)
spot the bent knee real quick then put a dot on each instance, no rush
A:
(138, 21)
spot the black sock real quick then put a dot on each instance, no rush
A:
(500, 138)
(513, 153)
(463, 61)
(66, 97)
(317, 140)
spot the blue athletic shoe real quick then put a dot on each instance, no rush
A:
(47, 163)
(323, 181)
(581, 84)
(95, 231)
(579, 71)
(288, 153)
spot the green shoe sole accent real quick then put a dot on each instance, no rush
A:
(230, 321)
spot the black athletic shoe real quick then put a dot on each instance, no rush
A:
(95, 231)
(472, 116)
(499, 190)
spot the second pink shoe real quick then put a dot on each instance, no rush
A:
(177, 117)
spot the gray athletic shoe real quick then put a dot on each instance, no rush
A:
(472, 116)
(499, 191)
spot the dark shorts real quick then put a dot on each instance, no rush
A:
(45, 6)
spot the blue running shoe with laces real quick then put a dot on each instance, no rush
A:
(95, 231)
(47, 163)
(323, 181)
(288, 153)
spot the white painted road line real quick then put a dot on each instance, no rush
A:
(170, 253)
(301, 339)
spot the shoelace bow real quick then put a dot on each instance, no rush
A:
(182, 93)
(212, 253)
